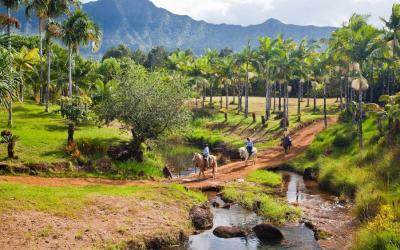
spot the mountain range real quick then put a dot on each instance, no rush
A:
(140, 24)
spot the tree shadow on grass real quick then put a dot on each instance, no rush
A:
(53, 127)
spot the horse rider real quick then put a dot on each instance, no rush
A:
(287, 140)
(206, 155)
(249, 146)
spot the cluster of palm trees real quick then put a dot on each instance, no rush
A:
(356, 58)
(76, 29)
(277, 62)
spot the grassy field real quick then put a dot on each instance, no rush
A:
(214, 129)
(43, 136)
(371, 176)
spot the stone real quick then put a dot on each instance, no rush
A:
(201, 216)
(229, 232)
(266, 232)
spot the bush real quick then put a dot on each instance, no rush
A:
(368, 202)
(343, 140)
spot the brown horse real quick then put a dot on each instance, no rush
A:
(199, 162)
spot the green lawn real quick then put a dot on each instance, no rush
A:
(43, 135)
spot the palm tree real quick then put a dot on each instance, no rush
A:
(246, 57)
(39, 7)
(78, 30)
(288, 64)
(55, 8)
(10, 4)
(24, 60)
(266, 53)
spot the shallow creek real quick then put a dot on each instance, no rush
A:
(318, 207)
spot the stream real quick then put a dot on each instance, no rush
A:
(321, 208)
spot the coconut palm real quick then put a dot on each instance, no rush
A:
(287, 64)
(265, 59)
(211, 70)
(39, 8)
(55, 8)
(246, 57)
(79, 30)
(24, 61)
(10, 5)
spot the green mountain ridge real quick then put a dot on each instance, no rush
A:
(140, 24)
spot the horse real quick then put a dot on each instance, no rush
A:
(199, 162)
(244, 154)
(286, 143)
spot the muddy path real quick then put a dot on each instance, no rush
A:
(271, 157)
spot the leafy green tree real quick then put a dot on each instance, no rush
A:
(148, 104)
(118, 52)
(109, 69)
(76, 110)
(156, 58)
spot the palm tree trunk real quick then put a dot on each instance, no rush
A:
(315, 101)
(246, 93)
(274, 96)
(298, 103)
(267, 100)
(280, 96)
(341, 95)
(285, 106)
(233, 95)
(240, 99)
(211, 96)
(308, 93)
(220, 100)
(360, 128)
(325, 117)
(41, 61)
(69, 71)
(301, 92)
(226, 97)
(204, 99)
(47, 98)
(9, 65)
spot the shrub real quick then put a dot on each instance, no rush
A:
(343, 139)
(368, 202)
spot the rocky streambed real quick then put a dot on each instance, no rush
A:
(326, 223)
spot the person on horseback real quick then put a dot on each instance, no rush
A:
(206, 155)
(287, 140)
(249, 147)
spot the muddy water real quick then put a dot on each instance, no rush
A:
(306, 195)
(324, 210)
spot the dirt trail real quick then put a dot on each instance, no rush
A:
(232, 171)
(271, 157)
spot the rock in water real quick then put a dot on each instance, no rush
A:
(201, 216)
(267, 232)
(229, 232)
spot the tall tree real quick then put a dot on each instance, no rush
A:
(10, 5)
(79, 30)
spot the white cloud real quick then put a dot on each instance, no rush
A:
(304, 12)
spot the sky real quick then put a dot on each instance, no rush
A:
(301, 12)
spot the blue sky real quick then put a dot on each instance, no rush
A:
(304, 12)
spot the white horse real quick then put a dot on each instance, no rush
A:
(244, 154)
(199, 162)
